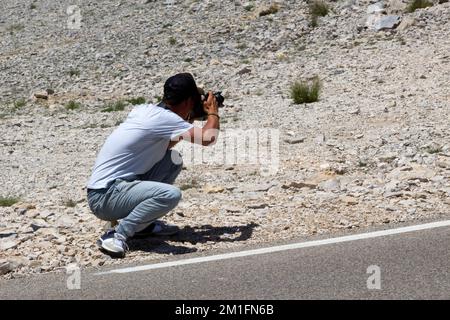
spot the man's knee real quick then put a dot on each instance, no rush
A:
(170, 196)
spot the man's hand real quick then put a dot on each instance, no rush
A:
(208, 134)
(211, 105)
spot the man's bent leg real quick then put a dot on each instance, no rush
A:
(144, 202)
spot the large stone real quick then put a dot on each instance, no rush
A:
(379, 22)
(8, 243)
(38, 224)
(376, 8)
(387, 22)
(6, 233)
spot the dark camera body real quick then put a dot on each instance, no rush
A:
(198, 113)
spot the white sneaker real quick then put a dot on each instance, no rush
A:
(113, 243)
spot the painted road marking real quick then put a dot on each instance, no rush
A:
(308, 244)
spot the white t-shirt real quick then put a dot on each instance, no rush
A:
(137, 144)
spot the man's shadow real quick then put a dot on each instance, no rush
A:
(192, 235)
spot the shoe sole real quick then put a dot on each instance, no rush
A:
(113, 254)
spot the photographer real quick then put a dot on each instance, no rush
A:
(133, 175)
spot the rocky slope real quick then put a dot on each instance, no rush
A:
(374, 149)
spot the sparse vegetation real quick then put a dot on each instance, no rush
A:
(74, 72)
(270, 10)
(418, 4)
(188, 59)
(8, 201)
(70, 203)
(33, 6)
(318, 8)
(172, 41)
(249, 7)
(72, 105)
(306, 91)
(136, 101)
(114, 106)
(19, 103)
(15, 28)
(193, 184)
(241, 46)
(432, 149)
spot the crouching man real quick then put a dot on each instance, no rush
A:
(133, 175)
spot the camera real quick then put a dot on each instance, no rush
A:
(198, 113)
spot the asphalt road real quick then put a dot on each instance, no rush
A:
(412, 265)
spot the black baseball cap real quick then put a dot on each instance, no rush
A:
(180, 87)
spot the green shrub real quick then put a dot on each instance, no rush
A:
(318, 8)
(172, 41)
(138, 100)
(7, 201)
(74, 72)
(19, 103)
(70, 203)
(306, 92)
(72, 105)
(418, 4)
(114, 106)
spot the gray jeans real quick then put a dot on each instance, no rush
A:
(138, 202)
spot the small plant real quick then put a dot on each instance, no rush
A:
(362, 163)
(33, 6)
(70, 203)
(74, 72)
(433, 149)
(19, 103)
(114, 106)
(7, 201)
(157, 98)
(172, 41)
(72, 105)
(418, 4)
(241, 46)
(270, 10)
(318, 8)
(136, 101)
(306, 92)
(190, 185)
(15, 28)
(249, 7)
(188, 59)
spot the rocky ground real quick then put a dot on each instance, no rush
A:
(373, 150)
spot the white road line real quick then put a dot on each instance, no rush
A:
(292, 246)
